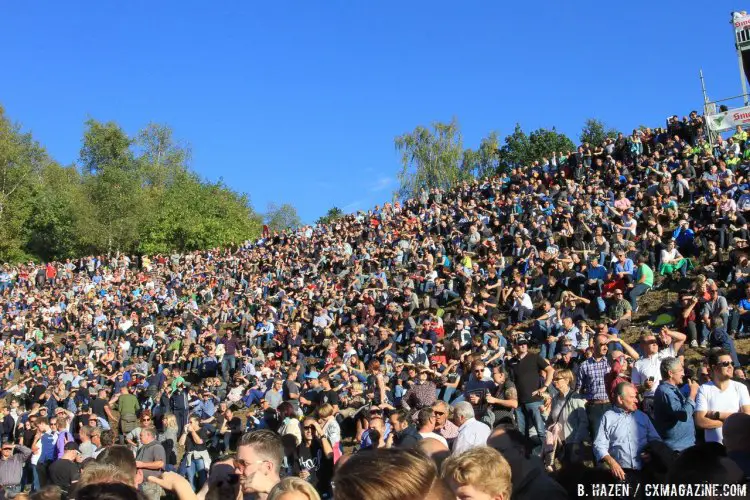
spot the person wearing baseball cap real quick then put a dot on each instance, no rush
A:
(12, 460)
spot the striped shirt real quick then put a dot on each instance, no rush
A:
(11, 470)
(590, 383)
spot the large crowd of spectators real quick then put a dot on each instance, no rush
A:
(470, 343)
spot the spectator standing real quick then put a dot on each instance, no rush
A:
(644, 281)
(673, 410)
(258, 462)
(127, 406)
(196, 460)
(12, 460)
(567, 421)
(590, 383)
(403, 433)
(151, 458)
(471, 432)
(719, 398)
(623, 435)
(524, 369)
(66, 470)
(646, 373)
(443, 424)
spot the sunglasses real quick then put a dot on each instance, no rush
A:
(439, 413)
(724, 364)
(309, 427)
(243, 464)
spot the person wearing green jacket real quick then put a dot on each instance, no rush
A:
(644, 281)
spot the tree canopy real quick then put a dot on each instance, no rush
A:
(434, 157)
(127, 194)
(330, 216)
(431, 158)
(595, 132)
(282, 217)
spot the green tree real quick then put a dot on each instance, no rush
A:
(521, 149)
(595, 132)
(57, 219)
(485, 161)
(113, 183)
(330, 216)
(544, 142)
(105, 145)
(430, 158)
(160, 157)
(282, 217)
(22, 161)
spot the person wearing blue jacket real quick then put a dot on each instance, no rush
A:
(673, 411)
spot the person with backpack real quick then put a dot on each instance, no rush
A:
(127, 406)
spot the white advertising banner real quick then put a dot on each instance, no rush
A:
(728, 120)
(741, 21)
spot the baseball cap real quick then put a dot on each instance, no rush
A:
(312, 375)
(565, 350)
(522, 341)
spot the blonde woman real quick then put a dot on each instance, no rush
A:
(567, 422)
(331, 429)
(293, 488)
(168, 440)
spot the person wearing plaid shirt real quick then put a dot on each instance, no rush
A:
(590, 383)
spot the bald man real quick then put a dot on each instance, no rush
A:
(435, 449)
(736, 431)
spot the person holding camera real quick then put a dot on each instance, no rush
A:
(647, 373)
(673, 410)
(196, 461)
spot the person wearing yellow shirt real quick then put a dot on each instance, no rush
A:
(740, 136)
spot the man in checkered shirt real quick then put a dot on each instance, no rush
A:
(590, 383)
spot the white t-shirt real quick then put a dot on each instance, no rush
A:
(433, 435)
(710, 398)
(650, 367)
(668, 255)
(523, 301)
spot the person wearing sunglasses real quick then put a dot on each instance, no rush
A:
(133, 438)
(259, 457)
(720, 397)
(313, 457)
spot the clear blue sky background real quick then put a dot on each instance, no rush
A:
(299, 101)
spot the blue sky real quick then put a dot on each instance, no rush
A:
(299, 101)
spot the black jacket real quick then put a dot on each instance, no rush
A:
(408, 438)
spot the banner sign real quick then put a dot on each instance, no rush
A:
(728, 120)
(741, 21)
